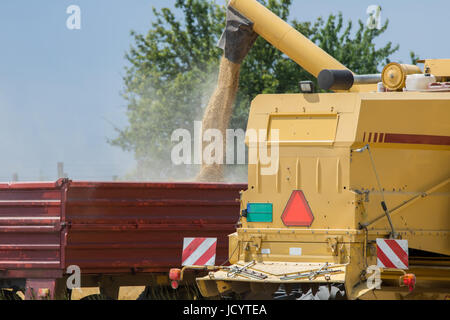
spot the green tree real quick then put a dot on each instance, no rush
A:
(172, 71)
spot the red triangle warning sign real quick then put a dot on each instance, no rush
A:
(297, 211)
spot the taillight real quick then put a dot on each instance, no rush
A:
(174, 284)
(297, 211)
(409, 280)
(175, 274)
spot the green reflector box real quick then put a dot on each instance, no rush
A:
(259, 212)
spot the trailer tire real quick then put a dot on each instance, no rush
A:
(144, 294)
(9, 295)
(167, 293)
(96, 297)
(158, 293)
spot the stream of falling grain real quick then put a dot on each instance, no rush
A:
(218, 113)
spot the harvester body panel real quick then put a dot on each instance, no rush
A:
(409, 139)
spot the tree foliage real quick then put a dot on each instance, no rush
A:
(172, 71)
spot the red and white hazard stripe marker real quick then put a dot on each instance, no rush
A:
(199, 252)
(392, 253)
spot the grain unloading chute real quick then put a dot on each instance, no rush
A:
(244, 16)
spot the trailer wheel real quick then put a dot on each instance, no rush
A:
(158, 293)
(144, 294)
(185, 292)
(96, 297)
(8, 295)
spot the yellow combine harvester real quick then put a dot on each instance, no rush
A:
(359, 204)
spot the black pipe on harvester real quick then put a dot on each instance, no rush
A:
(335, 79)
(344, 79)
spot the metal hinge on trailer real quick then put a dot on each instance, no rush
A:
(245, 272)
(311, 275)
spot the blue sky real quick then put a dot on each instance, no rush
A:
(60, 88)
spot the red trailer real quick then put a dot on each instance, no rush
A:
(117, 233)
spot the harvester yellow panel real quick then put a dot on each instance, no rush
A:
(409, 138)
(438, 67)
(303, 129)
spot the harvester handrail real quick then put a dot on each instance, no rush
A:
(408, 202)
